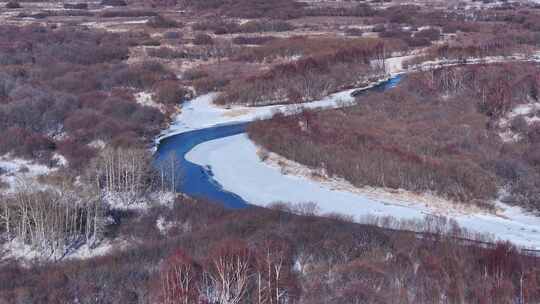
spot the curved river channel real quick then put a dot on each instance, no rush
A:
(197, 181)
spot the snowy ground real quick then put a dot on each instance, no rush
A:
(146, 99)
(16, 171)
(25, 253)
(237, 167)
(134, 201)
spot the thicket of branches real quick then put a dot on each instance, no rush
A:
(438, 131)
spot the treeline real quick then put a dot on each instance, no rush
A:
(214, 255)
(63, 88)
(438, 131)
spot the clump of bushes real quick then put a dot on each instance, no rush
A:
(432, 34)
(354, 32)
(276, 9)
(75, 86)
(220, 26)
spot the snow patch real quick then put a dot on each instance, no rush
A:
(147, 99)
(136, 201)
(529, 112)
(164, 226)
(14, 171)
(18, 250)
(60, 159)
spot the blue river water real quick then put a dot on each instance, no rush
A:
(197, 181)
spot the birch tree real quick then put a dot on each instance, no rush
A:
(123, 171)
(52, 221)
(273, 271)
(229, 272)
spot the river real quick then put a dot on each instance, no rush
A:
(197, 181)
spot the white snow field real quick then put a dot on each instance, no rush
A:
(237, 167)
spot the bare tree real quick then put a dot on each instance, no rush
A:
(123, 171)
(180, 279)
(229, 272)
(170, 176)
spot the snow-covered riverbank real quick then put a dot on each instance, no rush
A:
(237, 168)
